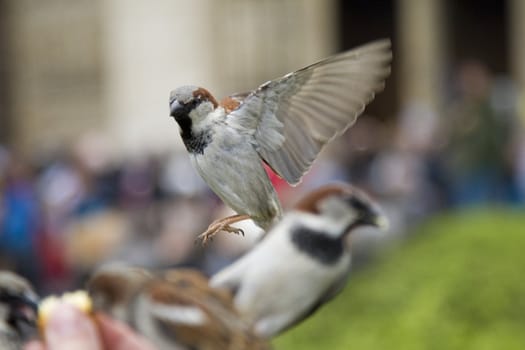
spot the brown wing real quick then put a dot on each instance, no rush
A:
(196, 315)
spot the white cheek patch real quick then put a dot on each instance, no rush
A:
(339, 212)
(205, 115)
(188, 315)
(323, 223)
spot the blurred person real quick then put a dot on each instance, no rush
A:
(70, 186)
(137, 183)
(407, 172)
(4, 159)
(88, 240)
(3, 170)
(505, 101)
(361, 146)
(76, 188)
(178, 178)
(519, 170)
(182, 218)
(478, 135)
(61, 190)
(138, 191)
(21, 218)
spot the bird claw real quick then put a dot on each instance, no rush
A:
(204, 238)
(231, 229)
(213, 229)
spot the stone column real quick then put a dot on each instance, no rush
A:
(149, 49)
(225, 46)
(516, 12)
(419, 52)
(259, 40)
(54, 72)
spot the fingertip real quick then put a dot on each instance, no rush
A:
(70, 328)
(109, 327)
(119, 336)
(34, 345)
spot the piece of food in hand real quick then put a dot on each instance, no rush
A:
(79, 299)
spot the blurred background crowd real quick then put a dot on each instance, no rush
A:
(92, 168)
(65, 212)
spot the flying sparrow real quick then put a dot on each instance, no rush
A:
(18, 303)
(175, 309)
(302, 262)
(284, 123)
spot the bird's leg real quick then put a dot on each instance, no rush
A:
(223, 225)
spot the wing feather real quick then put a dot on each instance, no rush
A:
(293, 117)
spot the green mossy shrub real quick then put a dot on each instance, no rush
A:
(458, 282)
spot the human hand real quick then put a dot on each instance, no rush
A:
(70, 329)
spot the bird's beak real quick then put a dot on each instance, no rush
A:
(28, 299)
(175, 108)
(382, 222)
(25, 306)
(31, 300)
(376, 218)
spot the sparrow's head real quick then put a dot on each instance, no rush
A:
(179, 309)
(18, 303)
(113, 286)
(191, 103)
(344, 205)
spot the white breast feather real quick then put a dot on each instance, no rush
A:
(277, 283)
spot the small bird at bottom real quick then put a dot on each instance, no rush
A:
(18, 305)
(302, 262)
(175, 309)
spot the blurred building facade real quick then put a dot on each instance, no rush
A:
(107, 66)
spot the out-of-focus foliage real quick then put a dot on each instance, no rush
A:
(459, 283)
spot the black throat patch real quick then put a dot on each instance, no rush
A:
(326, 250)
(195, 142)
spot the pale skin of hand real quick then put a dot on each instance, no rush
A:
(70, 329)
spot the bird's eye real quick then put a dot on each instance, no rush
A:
(357, 203)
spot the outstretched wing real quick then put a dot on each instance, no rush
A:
(293, 117)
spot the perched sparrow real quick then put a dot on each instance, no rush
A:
(18, 303)
(302, 262)
(284, 123)
(113, 287)
(175, 310)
